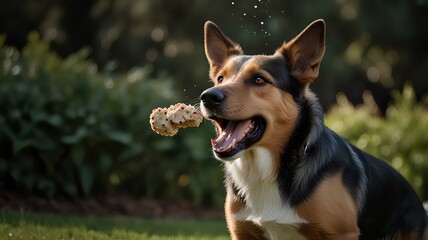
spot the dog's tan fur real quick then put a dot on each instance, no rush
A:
(329, 217)
(270, 100)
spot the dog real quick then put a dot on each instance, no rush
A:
(283, 167)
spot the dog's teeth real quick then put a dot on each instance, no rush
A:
(221, 148)
(213, 143)
(233, 143)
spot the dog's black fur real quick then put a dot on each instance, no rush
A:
(390, 205)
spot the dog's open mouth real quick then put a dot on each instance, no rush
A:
(236, 135)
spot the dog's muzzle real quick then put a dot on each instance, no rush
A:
(234, 133)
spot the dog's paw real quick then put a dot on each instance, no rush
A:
(167, 121)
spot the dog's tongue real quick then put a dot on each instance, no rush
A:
(234, 132)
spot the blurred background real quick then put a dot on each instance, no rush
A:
(79, 78)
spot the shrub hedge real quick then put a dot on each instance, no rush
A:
(70, 129)
(400, 137)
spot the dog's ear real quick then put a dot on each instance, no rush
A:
(305, 51)
(218, 47)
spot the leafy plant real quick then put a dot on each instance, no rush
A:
(400, 138)
(68, 128)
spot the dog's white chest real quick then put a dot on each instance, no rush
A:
(253, 174)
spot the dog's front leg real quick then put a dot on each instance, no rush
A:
(240, 229)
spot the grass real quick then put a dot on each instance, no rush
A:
(22, 225)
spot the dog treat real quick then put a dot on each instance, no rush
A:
(167, 121)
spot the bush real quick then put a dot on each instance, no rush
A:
(400, 138)
(68, 128)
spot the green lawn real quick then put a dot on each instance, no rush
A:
(15, 225)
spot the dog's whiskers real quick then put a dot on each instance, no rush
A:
(195, 103)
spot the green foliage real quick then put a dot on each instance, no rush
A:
(400, 138)
(68, 128)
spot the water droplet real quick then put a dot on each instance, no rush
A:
(255, 6)
(233, 3)
(245, 14)
(184, 90)
(262, 23)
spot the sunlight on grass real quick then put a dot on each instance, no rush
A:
(48, 226)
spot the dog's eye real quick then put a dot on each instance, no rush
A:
(259, 80)
(220, 79)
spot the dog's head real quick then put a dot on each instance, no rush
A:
(253, 100)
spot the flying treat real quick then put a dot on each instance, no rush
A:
(167, 121)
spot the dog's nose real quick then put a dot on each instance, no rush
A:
(212, 98)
